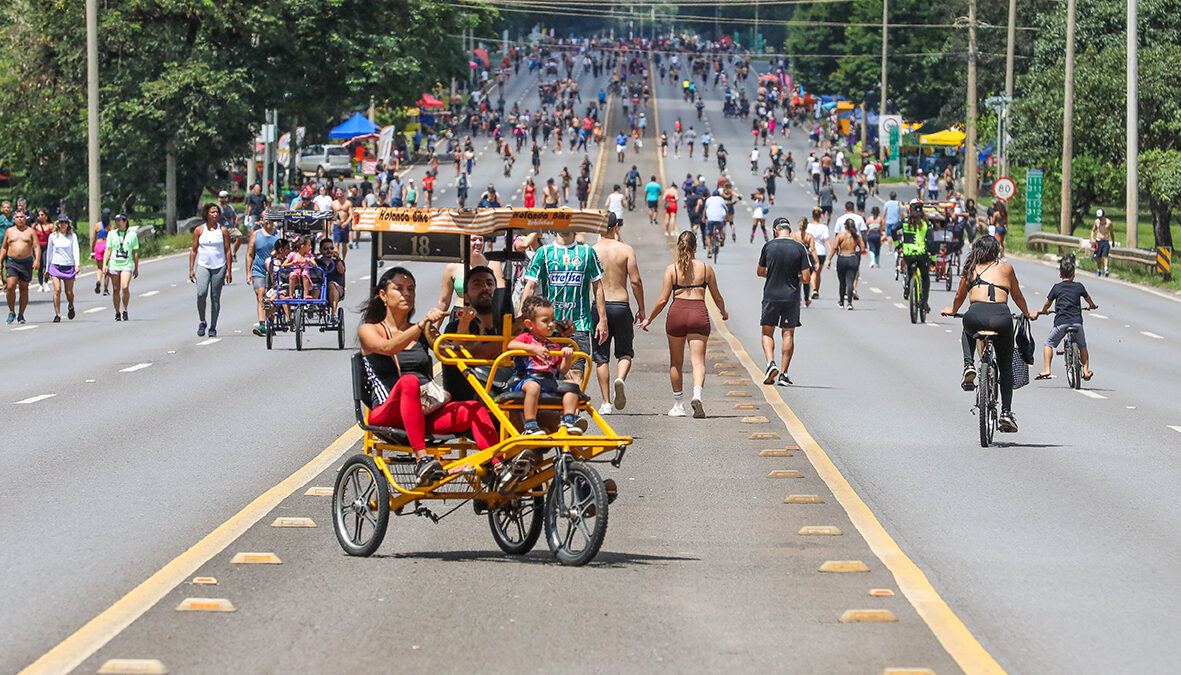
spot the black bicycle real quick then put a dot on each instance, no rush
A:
(988, 388)
(1072, 354)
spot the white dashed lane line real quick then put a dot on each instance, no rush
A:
(208, 342)
(34, 399)
(1175, 428)
(1091, 394)
(148, 294)
(92, 310)
(900, 305)
(1098, 316)
(138, 366)
(1154, 336)
(875, 290)
(28, 327)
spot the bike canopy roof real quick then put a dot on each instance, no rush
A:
(482, 221)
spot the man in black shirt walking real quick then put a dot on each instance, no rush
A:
(784, 263)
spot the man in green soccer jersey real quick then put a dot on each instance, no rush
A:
(569, 273)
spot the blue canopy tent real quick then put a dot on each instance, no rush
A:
(357, 125)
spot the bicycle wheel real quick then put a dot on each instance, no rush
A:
(947, 274)
(360, 506)
(297, 326)
(270, 329)
(897, 267)
(986, 395)
(340, 328)
(912, 294)
(517, 525)
(714, 246)
(1074, 364)
(576, 515)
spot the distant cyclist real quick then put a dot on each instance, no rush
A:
(1067, 296)
(916, 234)
(987, 283)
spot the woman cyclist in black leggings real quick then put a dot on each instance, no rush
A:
(987, 283)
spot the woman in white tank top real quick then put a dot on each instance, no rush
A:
(207, 266)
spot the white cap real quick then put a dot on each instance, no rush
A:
(223, 193)
(1099, 213)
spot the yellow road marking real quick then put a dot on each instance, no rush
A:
(745, 406)
(88, 639)
(868, 616)
(785, 473)
(803, 499)
(844, 566)
(138, 666)
(255, 559)
(775, 452)
(764, 437)
(205, 605)
(947, 627)
(820, 531)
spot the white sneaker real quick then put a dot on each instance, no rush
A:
(606, 409)
(620, 394)
(678, 410)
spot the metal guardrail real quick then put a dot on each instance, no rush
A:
(1063, 241)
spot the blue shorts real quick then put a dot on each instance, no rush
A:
(547, 381)
(1059, 332)
(340, 235)
(1102, 248)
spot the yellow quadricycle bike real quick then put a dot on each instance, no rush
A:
(524, 483)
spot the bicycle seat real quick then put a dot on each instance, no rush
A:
(1072, 329)
(984, 334)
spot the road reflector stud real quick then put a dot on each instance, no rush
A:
(881, 592)
(728, 373)
(803, 499)
(293, 522)
(255, 559)
(908, 671)
(141, 666)
(785, 473)
(868, 616)
(774, 452)
(844, 566)
(205, 605)
(735, 383)
(755, 420)
(738, 394)
(745, 406)
(319, 492)
(820, 531)
(205, 581)
(764, 436)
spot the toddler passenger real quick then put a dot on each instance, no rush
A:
(302, 262)
(540, 371)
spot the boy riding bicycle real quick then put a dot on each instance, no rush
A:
(1067, 296)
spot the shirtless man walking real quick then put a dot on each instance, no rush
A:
(21, 255)
(619, 271)
(344, 222)
(1101, 233)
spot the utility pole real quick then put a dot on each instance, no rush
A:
(755, 41)
(170, 186)
(1133, 140)
(882, 142)
(1067, 121)
(93, 182)
(970, 156)
(1003, 115)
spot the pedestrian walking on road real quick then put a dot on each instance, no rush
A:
(820, 239)
(784, 263)
(262, 242)
(209, 266)
(63, 263)
(847, 248)
(620, 271)
(121, 263)
(685, 284)
(43, 229)
(20, 254)
(98, 250)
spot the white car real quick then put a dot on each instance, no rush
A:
(325, 160)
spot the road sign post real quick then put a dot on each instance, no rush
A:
(1004, 189)
(895, 169)
(1033, 201)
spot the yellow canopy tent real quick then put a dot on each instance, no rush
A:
(947, 137)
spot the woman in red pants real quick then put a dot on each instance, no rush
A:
(398, 360)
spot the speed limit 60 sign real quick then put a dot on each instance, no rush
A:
(1004, 189)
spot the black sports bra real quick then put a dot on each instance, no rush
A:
(679, 287)
(978, 281)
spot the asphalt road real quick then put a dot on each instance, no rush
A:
(1054, 547)
(1042, 544)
